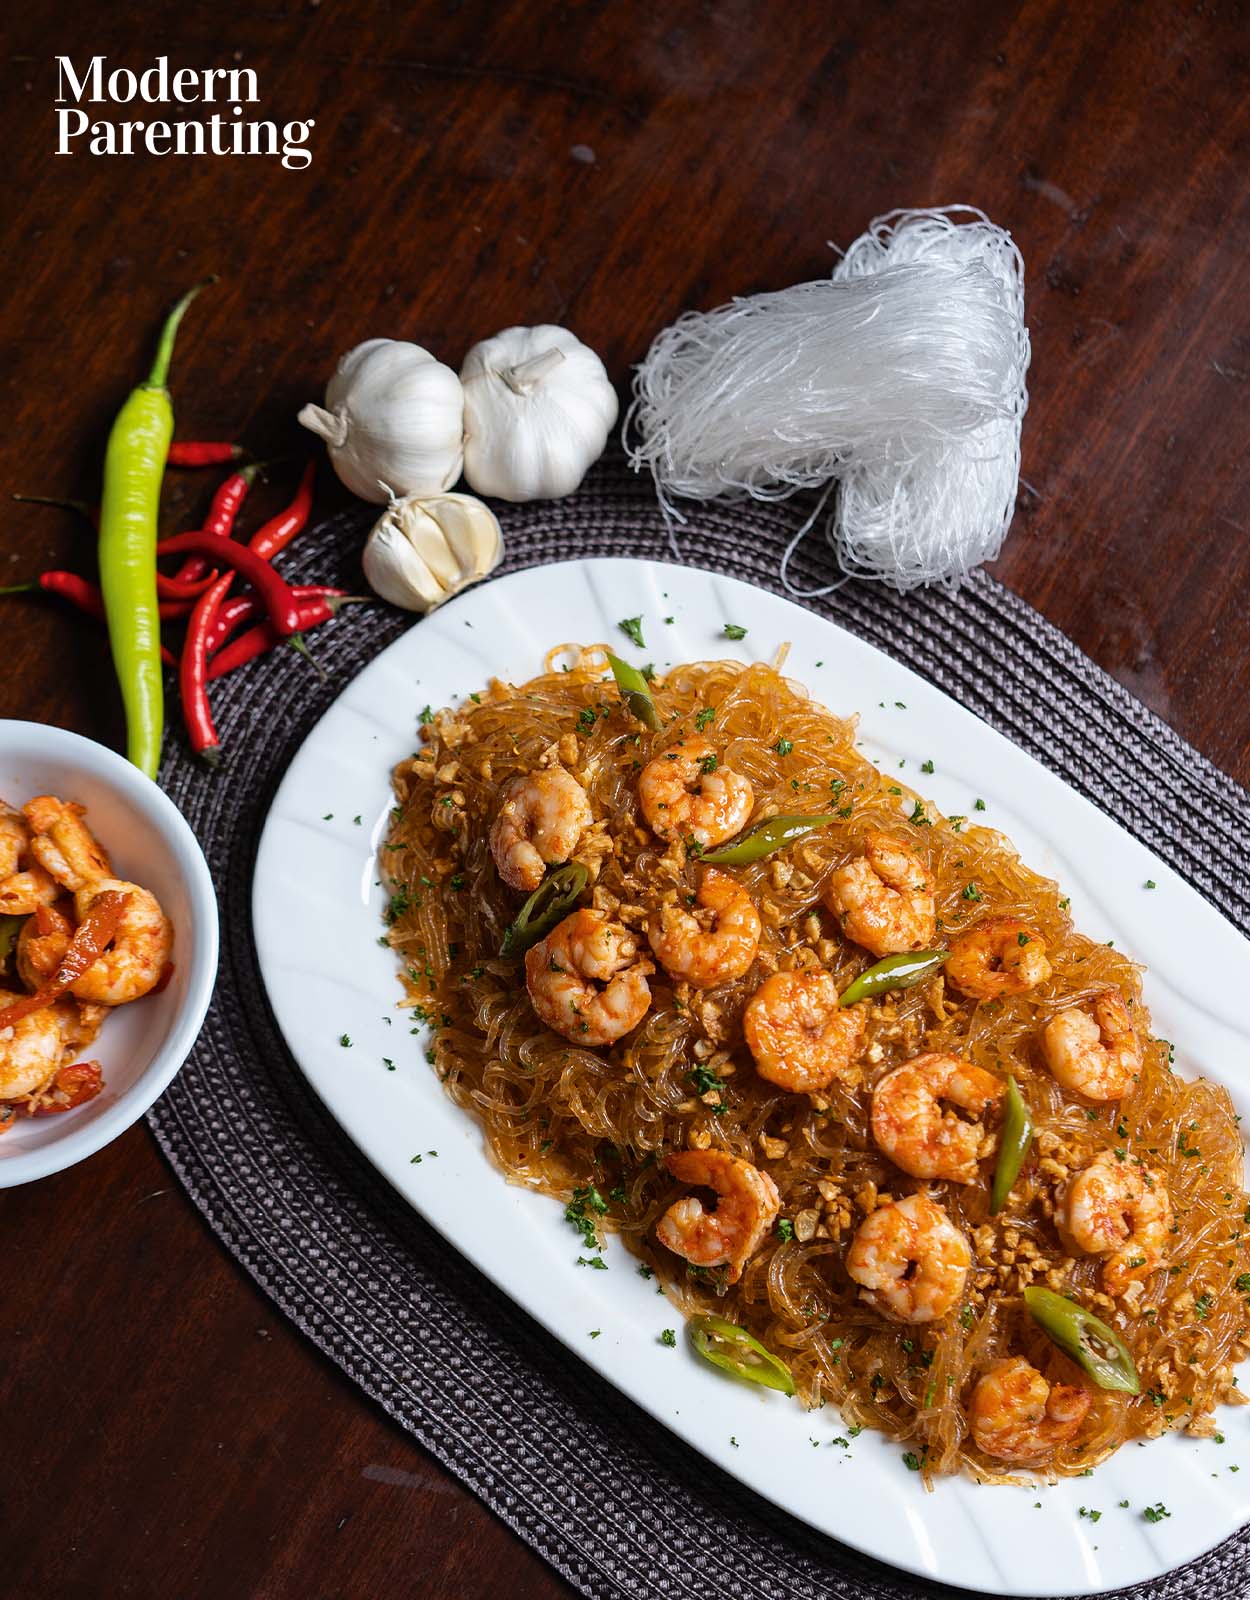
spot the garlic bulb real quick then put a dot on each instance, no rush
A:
(393, 420)
(422, 551)
(538, 407)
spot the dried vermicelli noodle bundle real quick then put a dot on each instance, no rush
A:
(903, 378)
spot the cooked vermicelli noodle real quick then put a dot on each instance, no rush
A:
(595, 1124)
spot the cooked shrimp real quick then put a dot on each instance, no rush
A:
(541, 818)
(23, 886)
(747, 1203)
(1017, 1416)
(996, 957)
(564, 971)
(138, 953)
(910, 1260)
(1097, 1056)
(62, 843)
(1122, 1211)
(14, 840)
(41, 945)
(920, 1135)
(884, 898)
(801, 1038)
(686, 794)
(30, 1052)
(716, 948)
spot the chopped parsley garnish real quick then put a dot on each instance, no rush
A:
(577, 1212)
(708, 764)
(978, 805)
(926, 766)
(733, 631)
(669, 1337)
(1093, 1516)
(388, 1063)
(920, 816)
(644, 1271)
(971, 892)
(703, 717)
(1150, 884)
(425, 716)
(785, 1229)
(329, 817)
(345, 1041)
(586, 719)
(703, 1079)
(597, 1262)
(911, 1461)
(783, 747)
(1202, 1306)
(633, 627)
(1156, 1512)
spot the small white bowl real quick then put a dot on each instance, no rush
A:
(141, 1046)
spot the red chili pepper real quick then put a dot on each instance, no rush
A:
(178, 589)
(192, 673)
(274, 590)
(258, 641)
(245, 608)
(83, 594)
(278, 532)
(89, 943)
(219, 522)
(72, 1086)
(202, 453)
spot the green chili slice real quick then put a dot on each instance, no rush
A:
(550, 903)
(1096, 1348)
(894, 972)
(1013, 1146)
(734, 1350)
(761, 840)
(635, 692)
(10, 927)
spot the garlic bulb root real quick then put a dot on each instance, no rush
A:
(422, 551)
(538, 408)
(393, 415)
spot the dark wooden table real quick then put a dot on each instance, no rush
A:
(604, 165)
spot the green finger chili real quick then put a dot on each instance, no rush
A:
(134, 464)
(761, 840)
(550, 903)
(734, 1350)
(635, 692)
(1097, 1349)
(894, 972)
(1013, 1146)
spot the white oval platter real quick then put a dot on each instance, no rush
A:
(317, 915)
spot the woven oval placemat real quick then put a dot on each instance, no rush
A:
(620, 1507)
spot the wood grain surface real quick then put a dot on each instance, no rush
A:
(605, 166)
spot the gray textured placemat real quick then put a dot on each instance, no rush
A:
(619, 1506)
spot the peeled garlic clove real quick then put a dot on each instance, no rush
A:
(422, 551)
(393, 420)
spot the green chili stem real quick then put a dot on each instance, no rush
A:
(1013, 1146)
(893, 972)
(158, 378)
(21, 588)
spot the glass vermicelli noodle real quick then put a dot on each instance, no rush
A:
(596, 1121)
